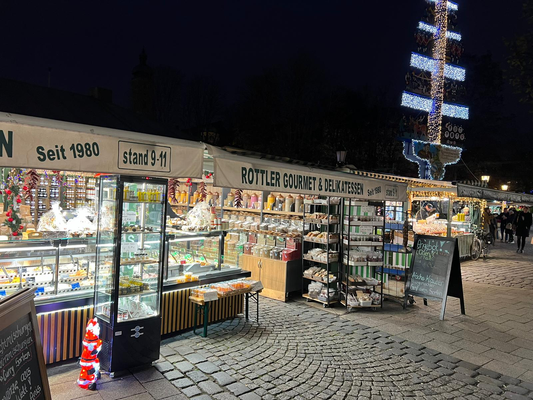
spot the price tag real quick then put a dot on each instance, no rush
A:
(129, 216)
(39, 289)
(75, 285)
(366, 230)
(129, 247)
(3, 293)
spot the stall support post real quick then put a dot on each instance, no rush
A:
(449, 224)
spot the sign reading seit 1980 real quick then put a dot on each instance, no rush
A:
(40, 147)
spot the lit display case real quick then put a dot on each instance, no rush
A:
(129, 267)
(58, 269)
(195, 258)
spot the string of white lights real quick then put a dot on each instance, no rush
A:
(428, 64)
(451, 5)
(422, 103)
(431, 29)
(437, 75)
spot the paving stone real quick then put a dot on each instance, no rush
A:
(195, 358)
(202, 397)
(466, 371)
(174, 374)
(161, 389)
(191, 391)
(164, 366)
(166, 351)
(488, 372)
(517, 389)
(515, 396)
(183, 383)
(429, 364)
(238, 388)
(463, 378)
(210, 387)
(509, 380)
(197, 376)
(489, 387)
(488, 379)
(444, 371)
(467, 365)
(146, 374)
(225, 396)
(184, 366)
(208, 367)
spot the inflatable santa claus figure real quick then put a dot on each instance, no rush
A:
(90, 365)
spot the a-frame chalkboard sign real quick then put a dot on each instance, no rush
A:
(435, 271)
(22, 368)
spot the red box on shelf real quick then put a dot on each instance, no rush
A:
(291, 255)
(252, 238)
(294, 243)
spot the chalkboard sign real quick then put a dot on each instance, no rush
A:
(435, 270)
(22, 368)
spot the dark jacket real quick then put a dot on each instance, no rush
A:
(523, 223)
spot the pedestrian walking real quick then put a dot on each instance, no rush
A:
(523, 225)
(488, 223)
(503, 219)
(509, 226)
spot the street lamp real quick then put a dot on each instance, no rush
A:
(485, 180)
(341, 157)
(505, 187)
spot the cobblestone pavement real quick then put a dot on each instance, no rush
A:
(504, 267)
(303, 351)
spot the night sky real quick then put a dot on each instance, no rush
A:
(358, 42)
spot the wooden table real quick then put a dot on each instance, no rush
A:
(200, 305)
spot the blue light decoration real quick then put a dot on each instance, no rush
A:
(431, 29)
(428, 64)
(423, 103)
(431, 156)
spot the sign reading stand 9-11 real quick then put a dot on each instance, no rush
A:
(435, 271)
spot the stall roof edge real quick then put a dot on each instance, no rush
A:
(7, 117)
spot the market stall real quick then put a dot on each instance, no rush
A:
(302, 228)
(59, 178)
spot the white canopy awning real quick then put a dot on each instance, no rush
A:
(30, 142)
(236, 171)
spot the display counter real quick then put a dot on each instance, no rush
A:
(60, 269)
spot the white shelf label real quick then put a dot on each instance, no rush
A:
(129, 216)
(129, 247)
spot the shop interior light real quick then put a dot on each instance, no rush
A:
(75, 246)
(28, 249)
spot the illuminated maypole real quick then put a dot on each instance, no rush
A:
(437, 75)
(431, 84)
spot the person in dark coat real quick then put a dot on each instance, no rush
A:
(523, 225)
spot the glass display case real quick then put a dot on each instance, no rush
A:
(58, 269)
(195, 258)
(129, 264)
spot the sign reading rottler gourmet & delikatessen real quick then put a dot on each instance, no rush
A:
(246, 173)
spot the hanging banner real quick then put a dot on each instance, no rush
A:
(84, 148)
(248, 173)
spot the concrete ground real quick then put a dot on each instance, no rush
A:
(303, 351)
